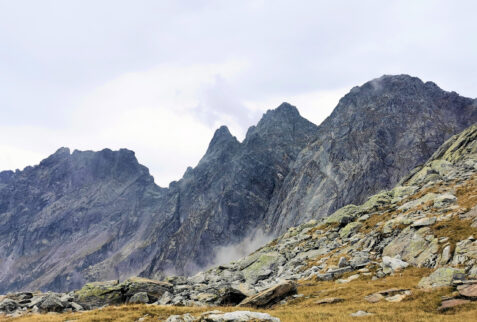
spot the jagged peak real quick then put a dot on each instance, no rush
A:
(222, 137)
(62, 151)
(284, 111)
(60, 154)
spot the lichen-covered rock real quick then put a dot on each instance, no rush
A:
(343, 215)
(350, 229)
(97, 294)
(443, 276)
(139, 298)
(262, 266)
(413, 247)
(154, 289)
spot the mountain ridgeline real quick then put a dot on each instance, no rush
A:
(86, 216)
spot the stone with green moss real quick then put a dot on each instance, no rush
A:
(350, 229)
(442, 277)
(154, 289)
(97, 294)
(263, 265)
(344, 215)
(376, 201)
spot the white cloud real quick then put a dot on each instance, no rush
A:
(154, 113)
(159, 76)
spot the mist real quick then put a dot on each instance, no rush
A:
(230, 253)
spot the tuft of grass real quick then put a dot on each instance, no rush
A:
(467, 194)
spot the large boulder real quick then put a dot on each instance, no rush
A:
(8, 306)
(416, 247)
(390, 264)
(98, 294)
(262, 267)
(230, 296)
(52, 303)
(139, 298)
(443, 276)
(270, 296)
(468, 290)
(153, 289)
(350, 229)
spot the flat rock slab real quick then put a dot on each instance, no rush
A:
(468, 290)
(397, 297)
(448, 304)
(443, 276)
(270, 296)
(329, 300)
(374, 298)
(424, 222)
(390, 295)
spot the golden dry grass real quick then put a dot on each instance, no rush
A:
(420, 306)
(467, 194)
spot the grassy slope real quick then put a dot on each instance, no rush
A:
(420, 306)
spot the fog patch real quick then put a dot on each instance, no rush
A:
(248, 245)
(377, 84)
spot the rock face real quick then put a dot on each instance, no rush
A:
(374, 137)
(226, 196)
(93, 216)
(70, 212)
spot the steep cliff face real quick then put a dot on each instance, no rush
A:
(226, 196)
(55, 218)
(375, 136)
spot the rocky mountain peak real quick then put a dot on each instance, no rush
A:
(283, 114)
(60, 155)
(281, 126)
(221, 139)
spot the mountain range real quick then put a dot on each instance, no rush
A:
(84, 216)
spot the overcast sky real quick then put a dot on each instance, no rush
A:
(158, 77)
